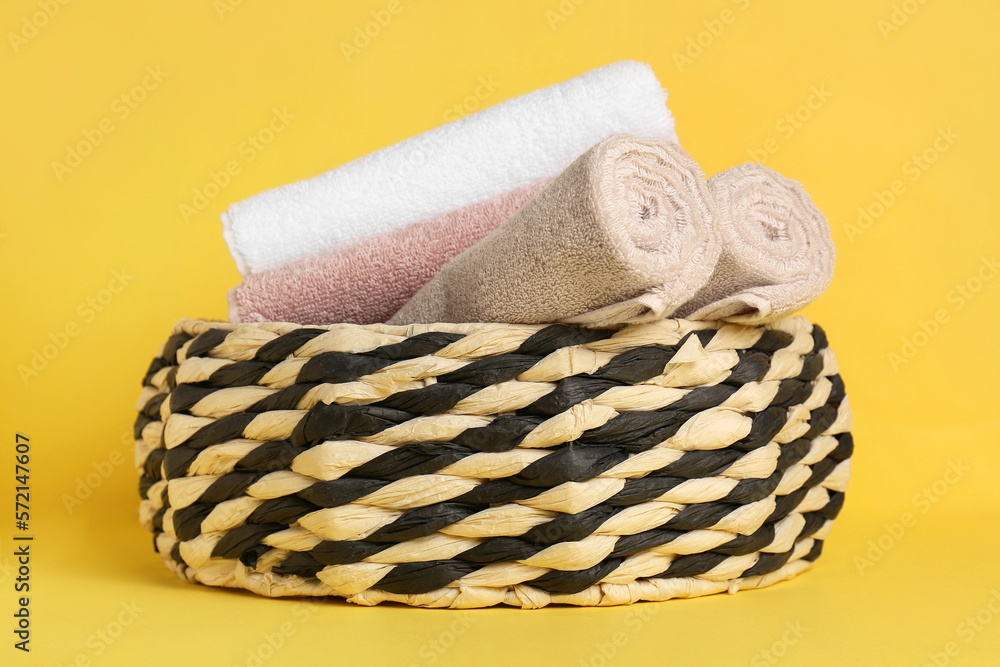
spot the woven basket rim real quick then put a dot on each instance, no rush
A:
(676, 324)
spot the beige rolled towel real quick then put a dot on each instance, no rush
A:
(625, 234)
(777, 252)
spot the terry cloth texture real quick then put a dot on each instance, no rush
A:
(623, 235)
(777, 252)
(505, 147)
(372, 279)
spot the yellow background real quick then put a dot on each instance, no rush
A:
(888, 90)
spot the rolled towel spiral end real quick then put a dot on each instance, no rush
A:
(778, 255)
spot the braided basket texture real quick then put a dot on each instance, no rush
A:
(469, 465)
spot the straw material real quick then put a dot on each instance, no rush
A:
(470, 465)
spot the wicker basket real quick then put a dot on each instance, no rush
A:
(469, 465)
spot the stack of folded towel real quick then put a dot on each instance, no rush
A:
(574, 203)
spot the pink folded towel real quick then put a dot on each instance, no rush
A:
(369, 281)
(777, 252)
(624, 234)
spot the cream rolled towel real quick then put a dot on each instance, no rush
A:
(624, 234)
(777, 252)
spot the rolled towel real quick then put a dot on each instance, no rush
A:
(475, 158)
(777, 252)
(624, 234)
(369, 281)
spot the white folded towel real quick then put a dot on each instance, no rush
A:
(483, 155)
